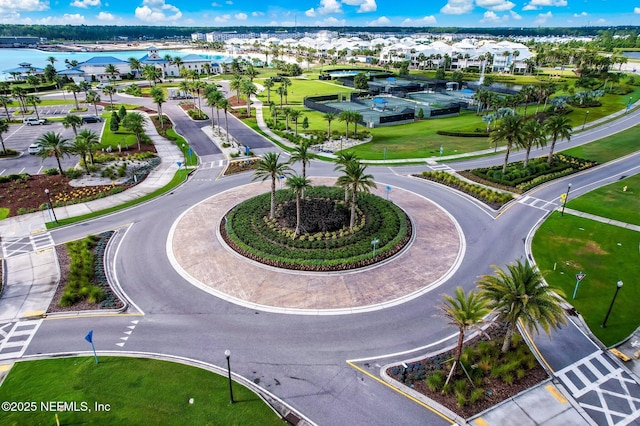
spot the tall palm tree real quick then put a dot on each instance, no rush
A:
(236, 84)
(520, 293)
(73, 121)
(510, 133)
(51, 60)
(93, 98)
(301, 154)
(281, 90)
(5, 101)
(53, 144)
(109, 91)
(298, 184)
(535, 135)
(112, 71)
(347, 117)
(134, 122)
(151, 73)
(33, 100)
(329, 117)
(463, 311)
(212, 96)
(294, 114)
(224, 104)
(286, 82)
(354, 177)
(92, 139)
(158, 97)
(356, 117)
(268, 83)
(557, 127)
(135, 65)
(20, 94)
(248, 89)
(270, 166)
(73, 88)
(81, 147)
(4, 128)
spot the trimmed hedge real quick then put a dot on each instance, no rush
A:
(249, 231)
(489, 196)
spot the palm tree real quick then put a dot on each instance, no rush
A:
(287, 113)
(33, 100)
(534, 136)
(236, 84)
(558, 126)
(51, 60)
(81, 147)
(463, 311)
(134, 122)
(510, 133)
(53, 144)
(151, 73)
(73, 121)
(301, 154)
(109, 91)
(270, 166)
(93, 98)
(20, 93)
(294, 114)
(298, 184)
(268, 84)
(286, 83)
(5, 101)
(135, 65)
(280, 90)
(520, 294)
(158, 97)
(354, 177)
(356, 117)
(73, 88)
(248, 89)
(111, 71)
(224, 104)
(92, 139)
(212, 96)
(4, 128)
(329, 117)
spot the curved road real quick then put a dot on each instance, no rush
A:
(301, 359)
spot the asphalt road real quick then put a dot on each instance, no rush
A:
(302, 359)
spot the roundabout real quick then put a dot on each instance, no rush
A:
(197, 251)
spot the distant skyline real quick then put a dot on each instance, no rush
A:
(324, 13)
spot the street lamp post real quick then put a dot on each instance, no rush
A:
(564, 202)
(584, 123)
(618, 287)
(46, 191)
(227, 353)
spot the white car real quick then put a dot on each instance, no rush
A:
(33, 121)
(102, 85)
(34, 148)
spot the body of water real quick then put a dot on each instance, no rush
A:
(10, 58)
(634, 55)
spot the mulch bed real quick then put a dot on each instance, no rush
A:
(499, 390)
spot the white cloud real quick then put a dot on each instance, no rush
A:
(496, 5)
(425, 21)
(329, 6)
(577, 15)
(157, 11)
(229, 2)
(491, 17)
(365, 5)
(382, 21)
(257, 13)
(215, 4)
(537, 4)
(514, 15)
(542, 18)
(311, 12)
(7, 6)
(636, 10)
(601, 21)
(240, 16)
(85, 4)
(73, 19)
(331, 22)
(105, 16)
(457, 7)
(220, 19)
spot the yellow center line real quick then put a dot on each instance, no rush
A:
(401, 392)
(535, 348)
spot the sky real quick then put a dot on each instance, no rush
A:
(324, 13)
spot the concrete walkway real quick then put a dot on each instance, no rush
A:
(602, 219)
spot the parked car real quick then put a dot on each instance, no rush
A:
(102, 85)
(34, 148)
(33, 121)
(91, 119)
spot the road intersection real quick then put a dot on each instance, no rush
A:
(302, 359)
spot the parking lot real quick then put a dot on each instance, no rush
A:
(20, 136)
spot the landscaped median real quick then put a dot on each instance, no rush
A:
(123, 390)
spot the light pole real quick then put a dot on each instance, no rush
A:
(46, 191)
(584, 123)
(566, 196)
(227, 353)
(618, 287)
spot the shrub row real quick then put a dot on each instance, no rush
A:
(476, 134)
(494, 198)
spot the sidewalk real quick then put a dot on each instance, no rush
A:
(30, 262)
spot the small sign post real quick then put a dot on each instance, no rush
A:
(89, 338)
(388, 188)
(374, 242)
(579, 277)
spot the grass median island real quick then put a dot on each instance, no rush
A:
(326, 243)
(609, 148)
(137, 391)
(567, 245)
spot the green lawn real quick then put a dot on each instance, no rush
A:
(300, 88)
(612, 201)
(566, 245)
(607, 149)
(138, 391)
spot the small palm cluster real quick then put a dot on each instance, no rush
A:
(517, 294)
(353, 180)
